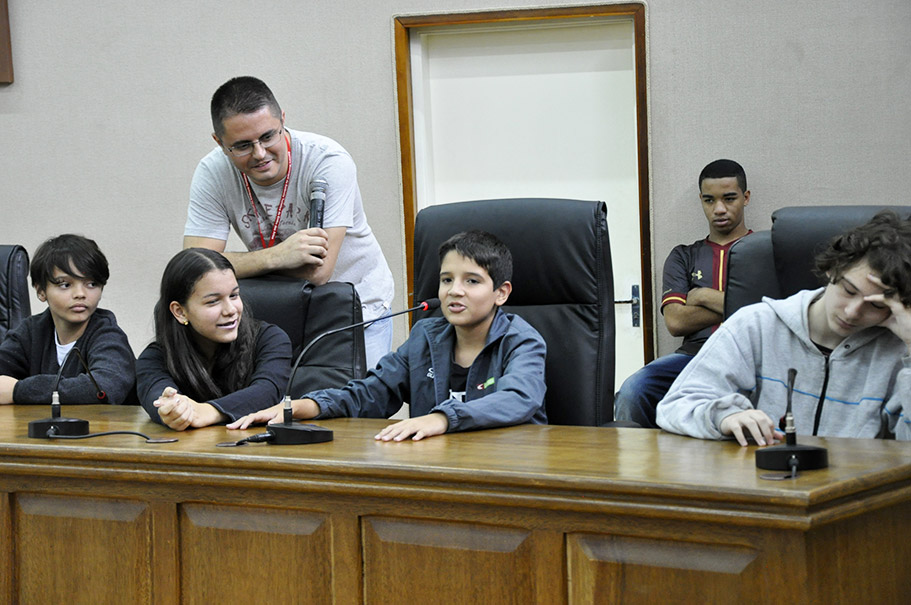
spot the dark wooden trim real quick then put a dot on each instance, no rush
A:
(8, 588)
(406, 144)
(645, 228)
(6, 46)
(503, 16)
(402, 26)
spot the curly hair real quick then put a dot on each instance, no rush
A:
(884, 242)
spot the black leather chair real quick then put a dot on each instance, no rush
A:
(305, 311)
(15, 301)
(562, 285)
(779, 262)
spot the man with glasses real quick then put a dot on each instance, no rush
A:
(259, 181)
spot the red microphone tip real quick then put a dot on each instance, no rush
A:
(424, 306)
(101, 394)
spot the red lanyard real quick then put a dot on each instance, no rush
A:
(281, 204)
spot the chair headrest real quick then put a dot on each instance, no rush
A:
(799, 233)
(560, 239)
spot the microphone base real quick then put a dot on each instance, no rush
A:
(778, 457)
(39, 429)
(298, 434)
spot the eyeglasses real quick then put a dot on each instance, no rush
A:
(269, 139)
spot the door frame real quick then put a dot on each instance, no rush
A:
(402, 31)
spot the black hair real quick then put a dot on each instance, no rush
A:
(482, 248)
(244, 94)
(722, 169)
(68, 252)
(884, 242)
(187, 365)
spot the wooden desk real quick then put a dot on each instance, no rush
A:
(529, 514)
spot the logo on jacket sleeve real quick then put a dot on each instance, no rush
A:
(430, 373)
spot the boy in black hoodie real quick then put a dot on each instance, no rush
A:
(69, 273)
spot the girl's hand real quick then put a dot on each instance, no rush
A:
(179, 412)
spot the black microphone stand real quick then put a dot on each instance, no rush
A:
(289, 432)
(790, 456)
(56, 425)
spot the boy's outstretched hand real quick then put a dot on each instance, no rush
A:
(754, 423)
(420, 427)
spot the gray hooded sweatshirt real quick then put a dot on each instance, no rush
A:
(862, 387)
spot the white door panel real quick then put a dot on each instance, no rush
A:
(535, 111)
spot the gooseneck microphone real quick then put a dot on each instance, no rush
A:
(55, 425)
(790, 456)
(291, 433)
(317, 202)
(790, 431)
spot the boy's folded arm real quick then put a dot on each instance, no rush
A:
(518, 397)
(35, 389)
(115, 379)
(79, 389)
(108, 355)
(110, 359)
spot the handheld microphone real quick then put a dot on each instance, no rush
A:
(55, 425)
(291, 433)
(791, 456)
(317, 202)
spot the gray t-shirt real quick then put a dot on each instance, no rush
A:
(219, 201)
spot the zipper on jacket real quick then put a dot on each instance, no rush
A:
(822, 399)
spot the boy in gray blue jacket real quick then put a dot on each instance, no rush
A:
(476, 367)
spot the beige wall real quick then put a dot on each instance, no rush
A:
(109, 112)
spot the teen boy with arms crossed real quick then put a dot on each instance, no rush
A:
(69, 273)
(475, 367)
(692, 303)
(258, 181)
(850, 343)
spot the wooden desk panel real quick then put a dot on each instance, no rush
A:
(530, 514)
(105, 541)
